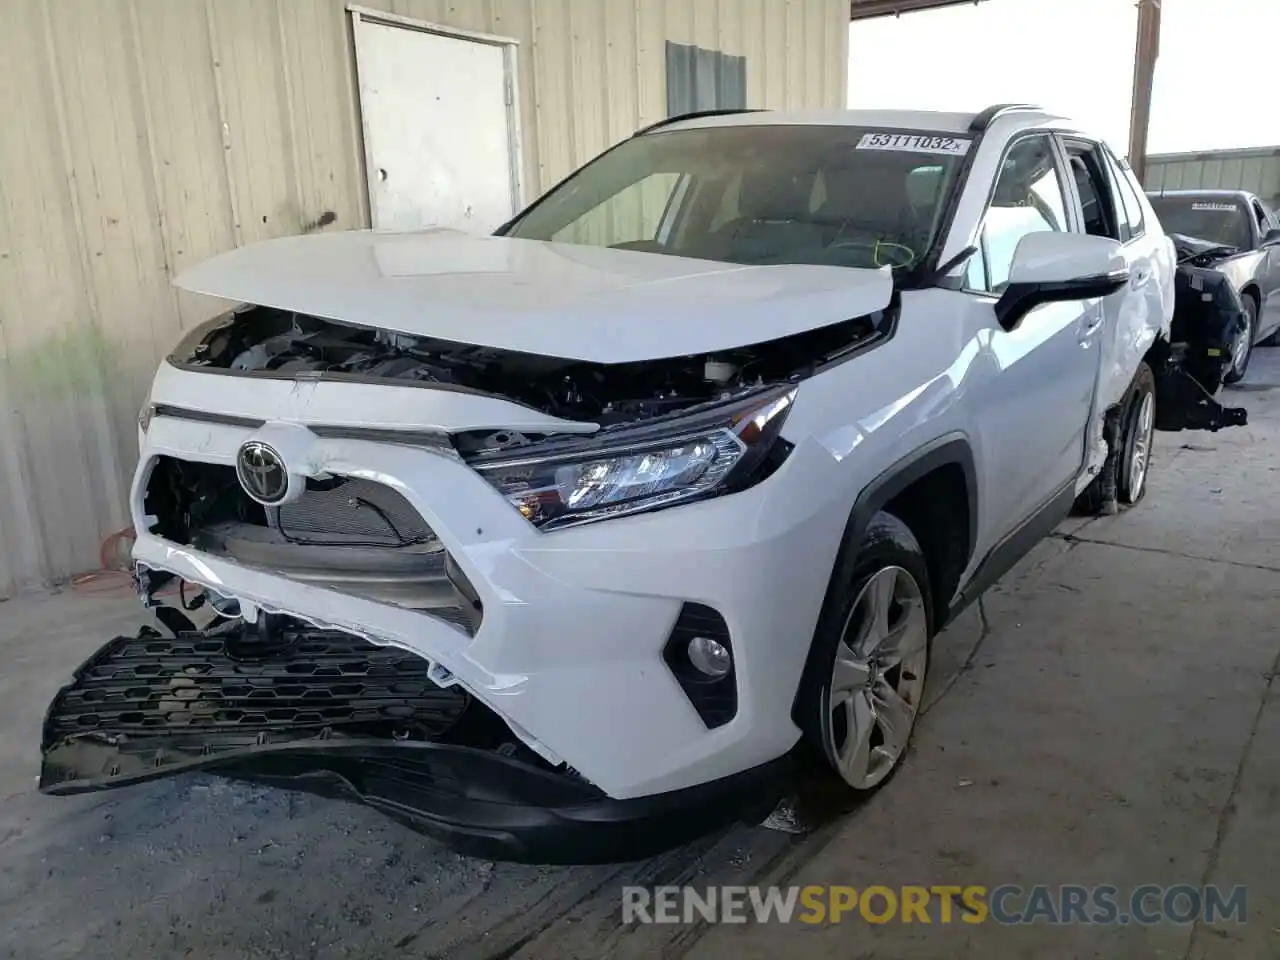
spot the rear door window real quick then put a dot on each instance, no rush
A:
(1098, 204)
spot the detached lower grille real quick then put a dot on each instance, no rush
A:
(299, 683)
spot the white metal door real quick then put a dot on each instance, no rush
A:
(440, 126)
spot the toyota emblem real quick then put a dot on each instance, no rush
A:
(262, 473)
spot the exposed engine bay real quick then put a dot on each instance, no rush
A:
(1194, 252)
(267, 341)
(362, 537)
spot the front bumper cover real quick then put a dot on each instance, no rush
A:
(329, 714)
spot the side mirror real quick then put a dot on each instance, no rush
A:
(1271, 238)
(1050, 267)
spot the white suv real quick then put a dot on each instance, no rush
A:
(599, 522)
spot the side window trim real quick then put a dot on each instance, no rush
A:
(1135, 220)
(1119, 209)
(979, 259)
(1075, 206)
(1129, 190)
(978, 237)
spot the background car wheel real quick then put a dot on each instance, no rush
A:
(1139, 426)
(864, 681)
(1242, 347)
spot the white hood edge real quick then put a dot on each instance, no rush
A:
(592, 304)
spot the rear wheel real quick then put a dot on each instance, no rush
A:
(1123, 479)
(864, 682)
(1242, 346)
(1139, 427)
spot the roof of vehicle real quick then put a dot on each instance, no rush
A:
(1020, 115)
(1224, 194)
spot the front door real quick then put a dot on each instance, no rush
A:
(1036, 408)
(439, 126)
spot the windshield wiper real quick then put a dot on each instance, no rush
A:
(929, 278)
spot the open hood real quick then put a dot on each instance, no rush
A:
(1189, 247)
(592, 304)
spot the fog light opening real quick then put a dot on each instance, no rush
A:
(710, 657)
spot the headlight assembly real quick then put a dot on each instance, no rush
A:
(645, 467)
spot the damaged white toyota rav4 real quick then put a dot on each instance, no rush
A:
(564, 544)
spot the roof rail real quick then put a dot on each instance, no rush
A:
(694, 115)
(984, 119)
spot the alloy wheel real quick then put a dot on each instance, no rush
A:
(877, 678)
(1242, 346)
(1240, 349)
(1140, 456)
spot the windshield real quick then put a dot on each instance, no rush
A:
(755, 194)
(1221, 220)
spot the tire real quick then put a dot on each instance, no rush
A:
(1138, 424)
(859, 699)
(1135, 426)
(1242, 352)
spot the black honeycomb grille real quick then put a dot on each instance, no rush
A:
(355, 508)
(189, 496)
(303, 681)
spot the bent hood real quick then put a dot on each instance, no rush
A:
(1188, 246)
(593, 304)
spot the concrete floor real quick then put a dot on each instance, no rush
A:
(1105, 717)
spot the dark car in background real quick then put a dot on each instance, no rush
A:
(1238, 235)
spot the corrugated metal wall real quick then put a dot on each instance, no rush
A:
(141, 136)
(1256, 169)
(701, 79)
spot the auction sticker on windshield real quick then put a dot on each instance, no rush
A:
(914, 143)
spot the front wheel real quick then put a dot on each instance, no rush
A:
(1242, 346)
(865, 680)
